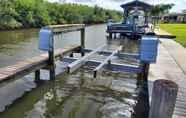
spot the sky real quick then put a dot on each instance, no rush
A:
(115, 4)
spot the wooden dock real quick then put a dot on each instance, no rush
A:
(27, 66)
(171, 65)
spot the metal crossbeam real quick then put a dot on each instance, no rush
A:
(78, 63)
(106, 61)
(106, 53)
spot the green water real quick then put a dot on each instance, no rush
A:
(79, 95)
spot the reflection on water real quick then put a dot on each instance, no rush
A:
(79, 95)
(76, 96)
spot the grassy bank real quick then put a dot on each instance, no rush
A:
(176, 29)
(15, 14)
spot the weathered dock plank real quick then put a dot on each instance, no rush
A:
(30, 65)
(171, 66)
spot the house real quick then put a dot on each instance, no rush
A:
(174, 18)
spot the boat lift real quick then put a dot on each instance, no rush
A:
(147, 53)
(131, 15)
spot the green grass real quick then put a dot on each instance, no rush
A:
(176, 29)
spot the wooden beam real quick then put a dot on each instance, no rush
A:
(37, 75)
(163, 99)
(75, 65)
(106, 61)
(65, 28)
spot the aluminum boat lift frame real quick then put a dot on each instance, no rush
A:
(147, 53)
(76, 63)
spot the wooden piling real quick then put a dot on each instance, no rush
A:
(115, 36)
(51, 59)
(71, 54)
(146, 67)
(51, 65)
(145, 71)
(163, 99)
(110, 35)
(37, 75)
(83, 37)
(82, 41)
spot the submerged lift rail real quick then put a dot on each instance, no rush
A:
(75, 65)
(107, 60)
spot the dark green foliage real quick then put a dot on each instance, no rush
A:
(36, 13)
(161, 9)
(184, 11)
(8, 15)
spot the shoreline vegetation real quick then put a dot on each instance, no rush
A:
(24, 14)
(178, 30)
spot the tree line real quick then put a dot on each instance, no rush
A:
(161, 9)
(16, 14)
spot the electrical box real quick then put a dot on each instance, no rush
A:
(149, 48)
(45, 39)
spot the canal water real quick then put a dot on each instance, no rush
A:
(78, 95)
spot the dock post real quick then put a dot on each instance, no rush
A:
(82, 41)
(37, 75)
(52, 66)
(51, 59)
(163, 99)
(71, 55)
(110, 35)
(115, 36)
(145, 71)
(145, 67)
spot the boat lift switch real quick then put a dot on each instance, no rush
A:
(45, 39)
(149, 49)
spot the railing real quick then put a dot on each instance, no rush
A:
(46, 40)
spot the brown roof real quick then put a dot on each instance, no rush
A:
(139, 4)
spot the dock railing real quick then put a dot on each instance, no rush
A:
(46, 60)
(52, 30)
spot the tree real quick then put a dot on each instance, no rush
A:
(184, 11)
(8, 15)
(37, 13)
(161, 9)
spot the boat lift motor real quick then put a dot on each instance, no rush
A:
(149, 48)
(45, 39)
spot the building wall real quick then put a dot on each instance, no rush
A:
(174, 19)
